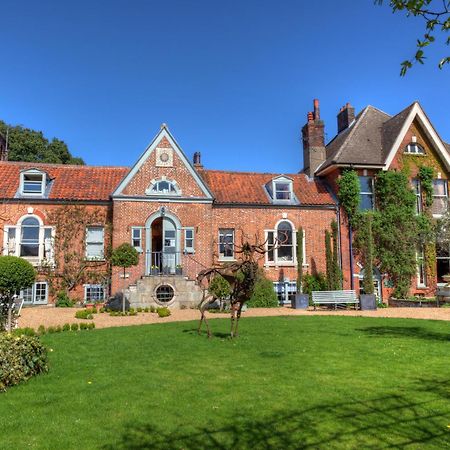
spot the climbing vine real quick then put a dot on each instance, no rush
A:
(426, 175)
(348, 193)
(334, 274)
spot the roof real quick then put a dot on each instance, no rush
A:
(68, 182)
(249, 188)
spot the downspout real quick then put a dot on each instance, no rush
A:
(350, 238)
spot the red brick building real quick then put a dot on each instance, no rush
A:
(182, 217)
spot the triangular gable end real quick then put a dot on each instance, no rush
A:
(417, 112)
(163, 133)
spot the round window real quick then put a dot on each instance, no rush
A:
(164, 293)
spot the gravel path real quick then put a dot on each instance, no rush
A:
(47, 315)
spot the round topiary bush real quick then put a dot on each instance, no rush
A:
(264, 295)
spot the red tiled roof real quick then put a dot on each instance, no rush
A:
(248, 187)
(70, 182)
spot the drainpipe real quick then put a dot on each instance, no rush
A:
(350, 238)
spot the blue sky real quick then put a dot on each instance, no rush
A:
(232, 79)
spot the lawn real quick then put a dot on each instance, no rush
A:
(286, 383)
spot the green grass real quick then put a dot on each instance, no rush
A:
(286, 383)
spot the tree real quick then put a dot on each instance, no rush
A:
(15, 274)
(124, 256)
(436, 15)
(25, 144)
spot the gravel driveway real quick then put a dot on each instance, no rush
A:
(48, 315)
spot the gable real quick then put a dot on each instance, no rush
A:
(417, 121)
(163, 161)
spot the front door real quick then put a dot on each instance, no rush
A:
(169, 246)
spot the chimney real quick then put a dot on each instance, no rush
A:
(198, 160)
(345, 117)
(313, 141)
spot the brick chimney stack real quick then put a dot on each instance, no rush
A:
(198, 160)
(313, 137)
(345, 117)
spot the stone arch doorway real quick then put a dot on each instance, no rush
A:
(162, 243)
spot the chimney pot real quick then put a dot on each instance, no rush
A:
(316, 109)
(198, 159)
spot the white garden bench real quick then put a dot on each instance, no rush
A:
(334, 298)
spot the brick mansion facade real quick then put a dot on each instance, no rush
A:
(182, 217)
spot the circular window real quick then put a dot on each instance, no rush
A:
(164, 293)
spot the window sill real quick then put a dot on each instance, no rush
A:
(95, 259)
(227, 259)
(284, 264)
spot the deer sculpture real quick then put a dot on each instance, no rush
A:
(241, 276)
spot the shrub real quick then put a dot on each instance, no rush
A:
(102, 310)
(20, 358)
(66, 327)
(63, 300)
(146, 309)
(84, 314)
(58, 329)
(91, 326)
(83, 326)
(41, 330)
(315, 282)
(51, 330)
(219, 287)
(74, 327)
(139, 309)
(163, 312)
(264, 295)
(152, 309)
(27, 331)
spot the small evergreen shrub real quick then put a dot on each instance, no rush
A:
(139, 310)
(91, 326)
(58, 329)
(66, 327)
(83, 326)
(20, 358)
(163, 312)
(264, 295)
(27, 331)
(51, 330)
(74, 327)
(63, 300)
(315, 282)
(41, 330)
(146, 310)
(84, 314)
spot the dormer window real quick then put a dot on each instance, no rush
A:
(33, 183)
(280, 189)
(163, 187)
(414, 148)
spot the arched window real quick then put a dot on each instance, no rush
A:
(281, 244)
(285, 248)
(29, 237)
(163, 187)
(414, 149)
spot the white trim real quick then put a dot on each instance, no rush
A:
(94, 258)
(95, 286)
(417, 111)
(33, 172)
(138, 249)
(164, 132)
(191, 249)
(167, 199)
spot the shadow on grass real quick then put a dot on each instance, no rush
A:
(412, 332)
(391, 421)
(203, 333)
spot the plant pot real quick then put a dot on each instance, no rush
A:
(89, 305)
(368, 302)
(300, 301)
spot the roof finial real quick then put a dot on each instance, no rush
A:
(164, 126)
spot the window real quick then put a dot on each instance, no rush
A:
(188, 240)
(10, 238)
(285, 291)
(283, 191)
(226, 243)
(281, 244)
(94, 243)
(440, 199)
(136, 238)
(163, 187)
(280, 190)
(94, 292)
(29, 239)
(36, 294)
(421, 270)
(366, 193)
(32, 183)
(414, 149)
(418, 191)
(442, 262)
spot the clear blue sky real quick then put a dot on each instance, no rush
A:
(233, 79)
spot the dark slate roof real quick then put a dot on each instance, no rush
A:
(368, 140)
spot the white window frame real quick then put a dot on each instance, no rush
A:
(94, 286)
(189, 249)
(154, 183)
(43, 183)
(139, 230)
(441, 196)
(418, 149)
(34, 289)
(13, 248)
(227, 258)
(92, 257)
(367, 193)
(420, 258)
(275, 261)
(417, 188)
(272, 188)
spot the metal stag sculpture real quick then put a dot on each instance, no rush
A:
(241, 276)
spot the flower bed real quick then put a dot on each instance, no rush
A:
(416, 302)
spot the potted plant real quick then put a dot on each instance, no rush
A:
(301, 300)
(154, 270)
(179, 269)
